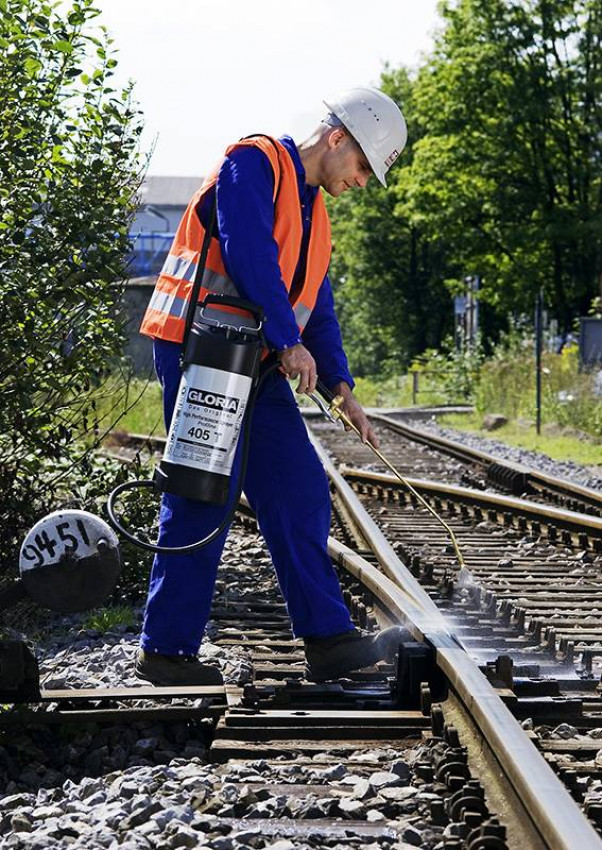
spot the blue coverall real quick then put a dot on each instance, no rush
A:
(285, 482)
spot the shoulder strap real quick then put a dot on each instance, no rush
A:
(200, 270)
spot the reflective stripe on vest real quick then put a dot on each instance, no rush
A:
(166, 313)
(170, 304)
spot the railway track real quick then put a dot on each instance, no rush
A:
(526, 608)
(419, 453)
(361, 760)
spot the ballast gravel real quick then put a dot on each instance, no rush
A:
(95, 660)
(151, 784)
(573, 472)
(188, 803)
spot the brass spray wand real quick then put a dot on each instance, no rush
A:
(334, 413)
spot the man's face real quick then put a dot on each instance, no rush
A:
(345, 165)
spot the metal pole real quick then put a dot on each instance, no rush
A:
(538, 349)
(414, 387)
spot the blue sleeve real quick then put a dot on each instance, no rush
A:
(322, 338)
(245, 217)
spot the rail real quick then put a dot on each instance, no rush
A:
(547, 806)
(468, 455)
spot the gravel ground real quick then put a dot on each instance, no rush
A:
(94, 660)
(225, 807)
(151, 785)
(584, 475)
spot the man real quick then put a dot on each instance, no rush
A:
(271, 245)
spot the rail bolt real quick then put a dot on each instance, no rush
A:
(437, 721)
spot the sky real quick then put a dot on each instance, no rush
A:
(207, 72)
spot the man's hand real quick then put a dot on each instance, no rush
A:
(296, 361)
(356, 414)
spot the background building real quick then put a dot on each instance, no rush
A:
(162, 204)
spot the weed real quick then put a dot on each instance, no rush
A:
(105, 619)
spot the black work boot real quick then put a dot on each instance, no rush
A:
(175, 670)
(331, 657)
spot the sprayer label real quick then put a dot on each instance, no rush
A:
(219, 402)
(207, 419)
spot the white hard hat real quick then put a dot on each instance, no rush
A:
(375, 122)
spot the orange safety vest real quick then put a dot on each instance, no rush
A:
(165, 315)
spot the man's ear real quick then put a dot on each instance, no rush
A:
(336, 137)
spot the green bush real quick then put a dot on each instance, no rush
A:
(506, 385)
(70, 172)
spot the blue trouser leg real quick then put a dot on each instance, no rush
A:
(287, 487)
(181, 586)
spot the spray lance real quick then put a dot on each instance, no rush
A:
(330, 405)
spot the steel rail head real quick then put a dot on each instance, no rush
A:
(487, 500)
(553, 812)
(464, 452)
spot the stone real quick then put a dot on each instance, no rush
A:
(150, 829)
(191, 771)
(222, 843)
(229, 793)
(374, 816)
(349, 806)
(335, 773)
(198, 797)
(401, 769)
(173, 817)
(146, 746)
(564, 731)
(125, 787)
(184, 838)
(412, 836)
(140, 816)
(15, 801)
(20, 822)
(382, 779)
(362, 789)
(398, 794)
(304, 808)
(493, 421)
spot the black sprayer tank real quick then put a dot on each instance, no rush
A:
(220, 367)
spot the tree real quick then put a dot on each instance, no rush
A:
(387, 277)
(70, 171)
(508, 172)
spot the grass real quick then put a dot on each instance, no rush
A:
(504, 384)
(105, 619)
(521, 433)
(145, 413)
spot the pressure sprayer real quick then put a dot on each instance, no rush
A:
(222, 353)
(330, 405)
(219, 384)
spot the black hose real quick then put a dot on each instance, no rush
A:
(146, 483)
